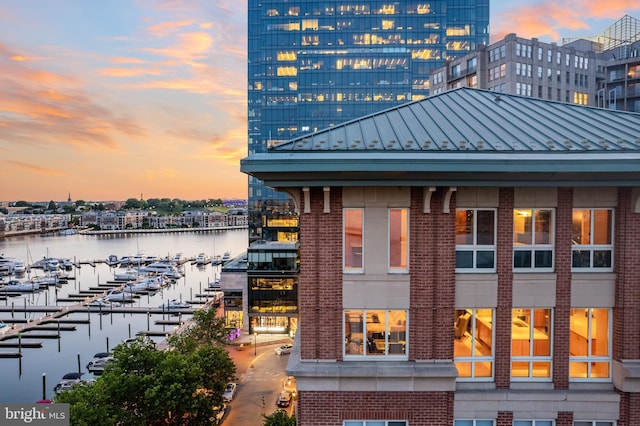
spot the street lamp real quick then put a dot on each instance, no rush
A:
(255, 343)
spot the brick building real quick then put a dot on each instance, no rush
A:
(469, 259)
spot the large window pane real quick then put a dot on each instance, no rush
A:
(464, 227)
(602, 227)
(486, 227)
(589, 343)
(353, 226)
(581, 227)
(375, 332)
(398, 239)
(473, 344)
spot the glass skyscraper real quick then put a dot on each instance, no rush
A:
(315, 64)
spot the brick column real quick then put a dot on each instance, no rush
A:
(422, 263)
(320, 285)
(432, 269)
(561, 313)
(626, 315)
(504, 267)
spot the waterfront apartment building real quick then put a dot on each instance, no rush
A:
(599, 71)
(23, 224)
(138, 219)
(469, 259)
(315, 64)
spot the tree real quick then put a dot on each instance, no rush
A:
(279, 418)
(135, 204)
(52, 206)
(146, 386)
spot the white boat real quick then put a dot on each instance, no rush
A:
(163, 268)
(175, 304)
(45, 263)
(112, 260)
(202, 259)
(68, 231)
(119, 296)
(45, 280)
(104, 303)
(68, 381)
(19, 268)
(129, 274)
(9, 265)
(179, 259)
(99, 361)
(20, 286)
(226, 257)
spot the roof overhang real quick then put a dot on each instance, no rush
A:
(298, 169)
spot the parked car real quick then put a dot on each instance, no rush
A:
(230, 392)
(284, 400)
(284, 350)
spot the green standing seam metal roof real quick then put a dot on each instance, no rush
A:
(463, 137)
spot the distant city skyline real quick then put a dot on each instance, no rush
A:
(110, 100)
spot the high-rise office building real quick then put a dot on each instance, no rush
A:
(316, 64)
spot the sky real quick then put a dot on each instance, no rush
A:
(115, 99)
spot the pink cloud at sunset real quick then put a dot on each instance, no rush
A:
(550, 20)
(107, 100)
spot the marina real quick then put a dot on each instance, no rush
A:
(45, 332)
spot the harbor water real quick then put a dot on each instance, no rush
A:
(33, 376)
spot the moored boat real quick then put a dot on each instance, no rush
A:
(175, 304)
(68, 381)
(21, 286)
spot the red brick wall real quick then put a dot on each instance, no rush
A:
(564, 419)
(564, 220)
(626, 337)
(332, 408)
(505, 418)
(629, 409)
(432, 269)
(504, 264)
(320, 288)
(626, 315)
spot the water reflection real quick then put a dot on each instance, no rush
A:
(23, 378)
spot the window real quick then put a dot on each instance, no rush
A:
(375, 423)
(533, 423)
(533, 239)
(353, 223)
(473, 344)
(455, 71)
(475, 240)
(473, 423)
(472, 64)
(398, 240)
(593, 423)
(375, 333)
(590, 344)
(531, 343)
(592, 239)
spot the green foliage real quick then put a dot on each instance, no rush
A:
(52, 206)
(279, 418)
(147, 386)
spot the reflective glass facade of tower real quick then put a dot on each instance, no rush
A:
(315, 64)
